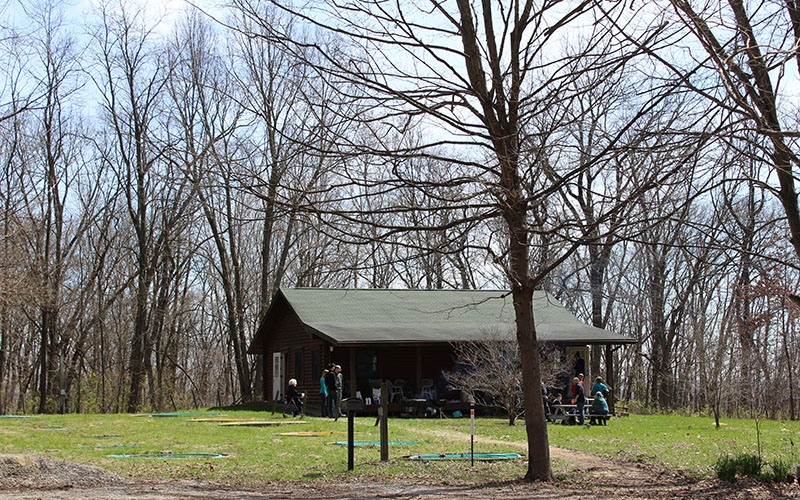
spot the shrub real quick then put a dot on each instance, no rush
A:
(744, 464)
(725, 468)
(749, 465)
(780, 472)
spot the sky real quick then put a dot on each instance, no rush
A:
(78, 12)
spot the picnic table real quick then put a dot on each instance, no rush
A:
(564, 412)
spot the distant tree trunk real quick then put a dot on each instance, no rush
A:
(660, 385)
(139, 341)
(789, 371)
(266, 241)
(743, 295)
(599, 257)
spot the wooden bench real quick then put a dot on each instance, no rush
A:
(560, 417)
(562, 413)
(596, 416)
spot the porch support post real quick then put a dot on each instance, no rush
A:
(610, 377)
(419, 370)
(352, 370)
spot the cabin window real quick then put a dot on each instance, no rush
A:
(367, 364)
(316, 371)
(298, 365)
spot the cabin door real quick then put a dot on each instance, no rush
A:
(278, 374)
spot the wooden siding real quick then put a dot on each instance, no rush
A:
(287, 335)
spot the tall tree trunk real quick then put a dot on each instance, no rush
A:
(522, 287)
(237, 309)
(44, 360)
(660, 388)
(599, 256)
(139, 341)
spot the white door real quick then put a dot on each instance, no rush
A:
(278, 374)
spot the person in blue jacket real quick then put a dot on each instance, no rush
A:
(599, 386)
(323, 393)
(599, 410)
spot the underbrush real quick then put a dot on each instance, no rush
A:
(728, 468)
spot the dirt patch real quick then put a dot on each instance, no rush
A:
(29, 471)
(27, 477)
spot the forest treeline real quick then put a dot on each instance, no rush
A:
(160, 181)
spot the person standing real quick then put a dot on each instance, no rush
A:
(339, 388)
(580, 400)
(323, 393)
(599, 386)
(579, 378)
(330, 384)
(544, 402)
(580, 365)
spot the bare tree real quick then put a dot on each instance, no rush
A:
(206, 115)
(60, 200)
(491, 373)
(473, 75)
(133, 73)
(751, 56)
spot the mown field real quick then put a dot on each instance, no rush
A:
(262, 454)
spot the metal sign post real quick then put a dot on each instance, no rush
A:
(353, 405)
(383, 412)
(472, 431)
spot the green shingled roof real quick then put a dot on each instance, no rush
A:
(371, 316)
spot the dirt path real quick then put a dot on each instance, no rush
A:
(576, 460)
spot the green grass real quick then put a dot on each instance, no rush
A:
(688, 443)
(260, 454)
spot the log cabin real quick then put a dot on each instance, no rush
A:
(399, 335)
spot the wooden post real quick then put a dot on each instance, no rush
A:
(350, 443)
(353, 405)
(383, 412)
(418, 371)
(610, 378)
(353, 380)
(275, 401)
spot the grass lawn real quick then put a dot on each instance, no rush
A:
(261, 454)
(689, 443)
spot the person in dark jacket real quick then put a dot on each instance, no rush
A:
(330, 384)
(544, 402)
(294, 399)
(580, 400)
(579, 366)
